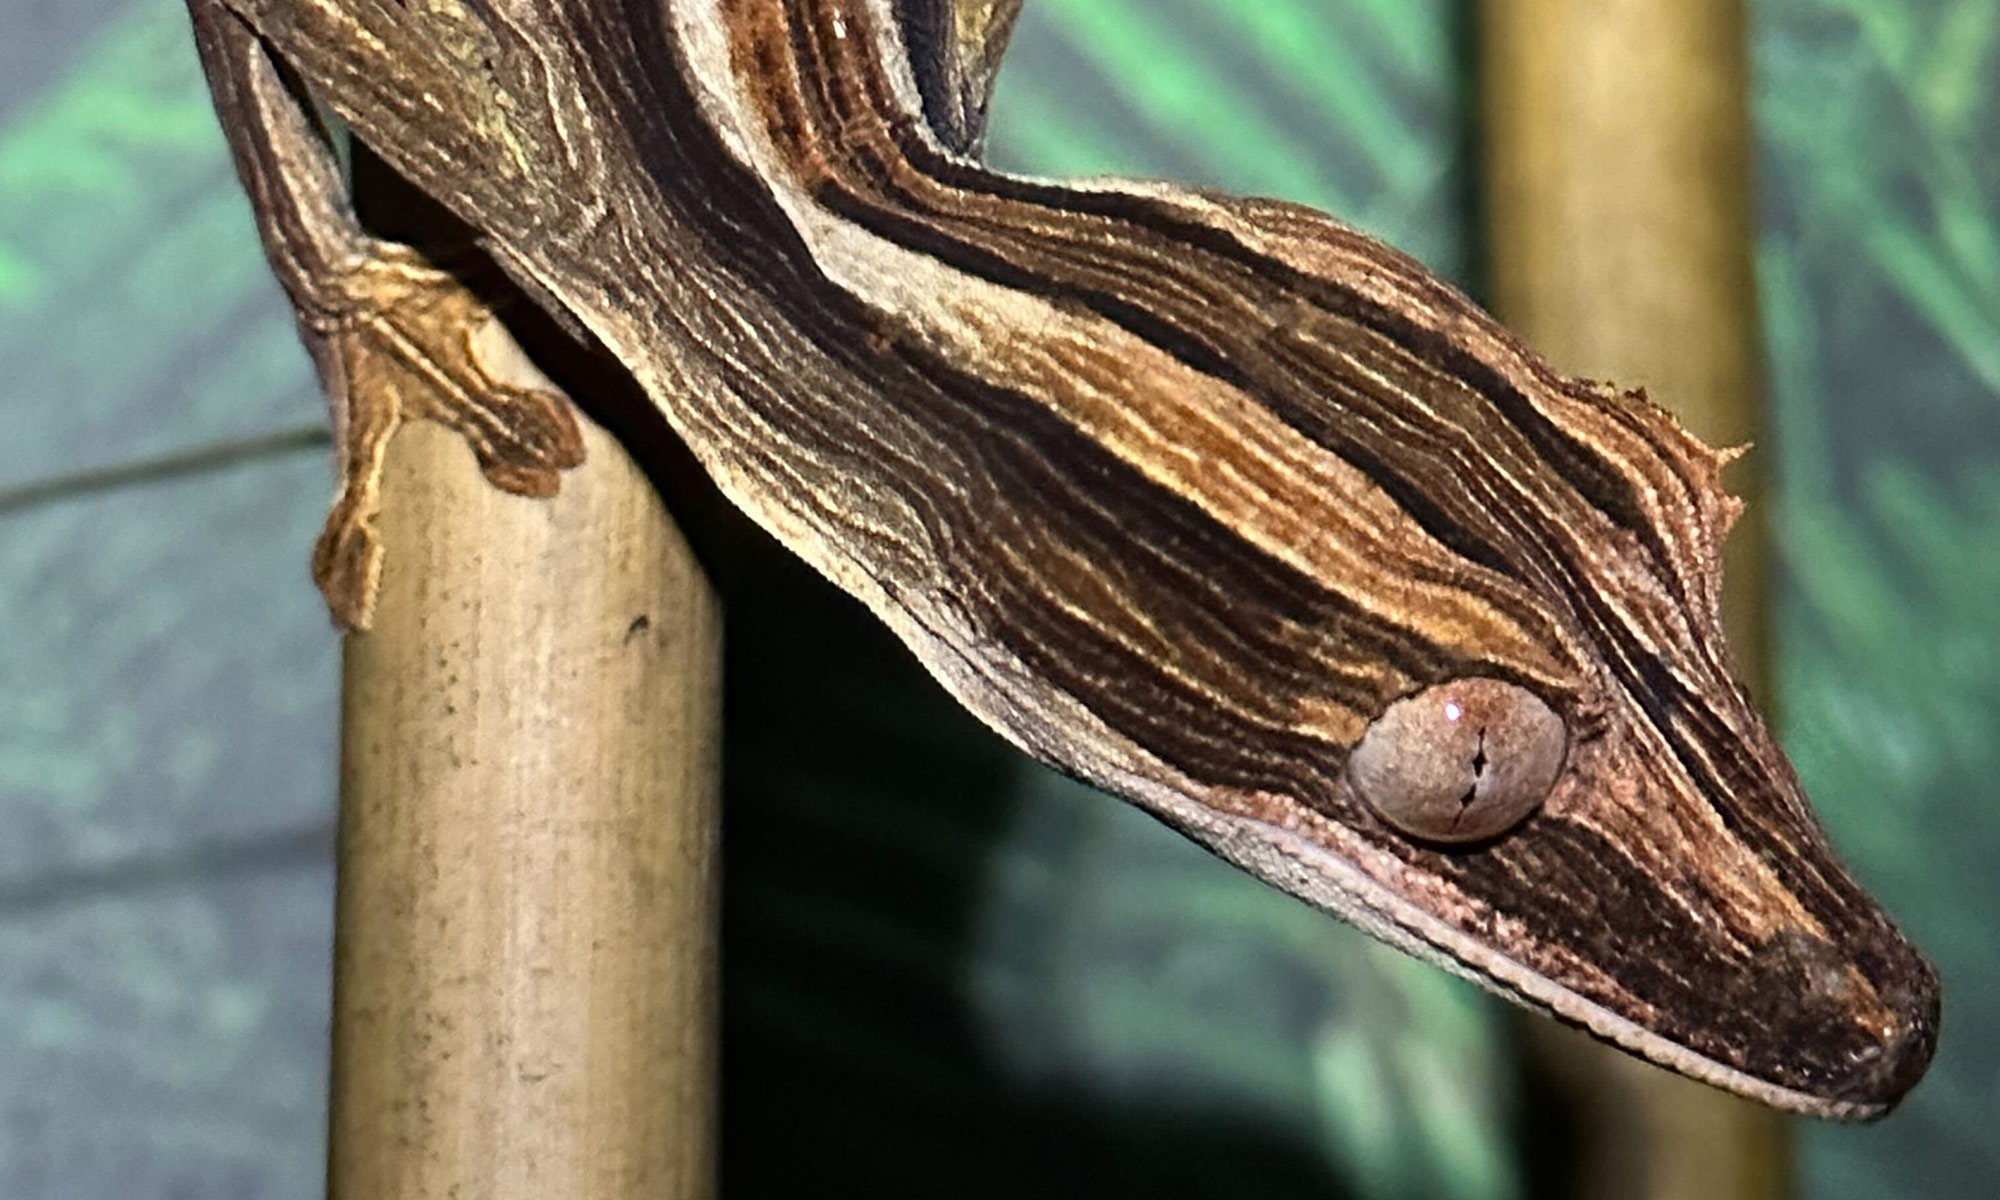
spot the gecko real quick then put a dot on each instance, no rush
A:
(1212, 502)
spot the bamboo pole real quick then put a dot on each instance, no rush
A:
(1621, 225)
(525, 972)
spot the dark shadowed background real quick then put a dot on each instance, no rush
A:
(948, 972)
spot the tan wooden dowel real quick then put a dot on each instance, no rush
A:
(1620, 209)
(526, 960)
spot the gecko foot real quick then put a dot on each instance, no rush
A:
(399, 340)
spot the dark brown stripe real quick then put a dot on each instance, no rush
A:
(1061, 263)
(1035, 476)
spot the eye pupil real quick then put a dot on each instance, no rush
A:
(1463, 761)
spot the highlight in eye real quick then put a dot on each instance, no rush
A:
(1460, 762)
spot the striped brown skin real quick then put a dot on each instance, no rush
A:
(1176, 491)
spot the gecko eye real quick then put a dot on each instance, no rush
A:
(1460, 762)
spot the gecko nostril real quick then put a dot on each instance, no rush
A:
(1892, 1066)
(1875, 1028)
(1912, 997)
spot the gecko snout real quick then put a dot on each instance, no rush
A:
(1910, 994)
(1865, 1018)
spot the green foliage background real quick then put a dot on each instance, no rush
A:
(941, 960)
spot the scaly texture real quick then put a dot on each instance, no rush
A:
(1177, 491)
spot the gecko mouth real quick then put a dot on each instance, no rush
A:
(1821, 1061)
(1817, 1037)
(1821, 1058)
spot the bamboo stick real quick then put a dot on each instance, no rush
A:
(526, 950)
(1621, 225)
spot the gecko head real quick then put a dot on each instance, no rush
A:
(1676, 891)
(1532, 761)
(1610, 833)
(1664, 886)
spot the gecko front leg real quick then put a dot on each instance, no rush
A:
(394, 337)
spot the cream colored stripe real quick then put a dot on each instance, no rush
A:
(1283, 494)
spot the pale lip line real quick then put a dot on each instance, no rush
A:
(1335, 885)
